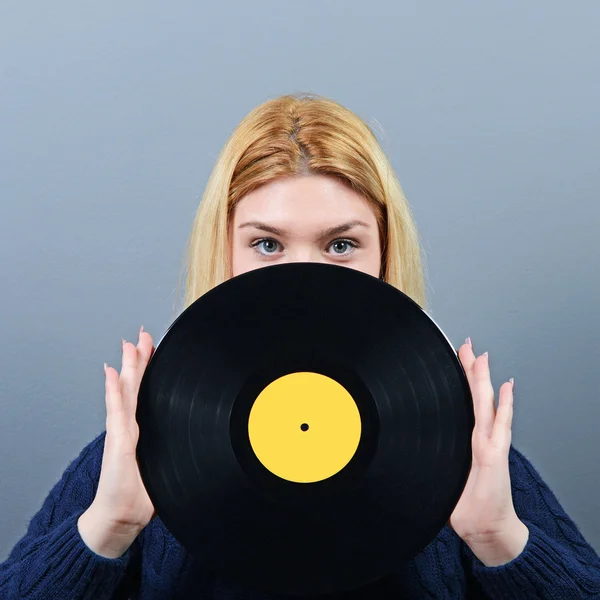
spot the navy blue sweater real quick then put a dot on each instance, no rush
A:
(52, 562)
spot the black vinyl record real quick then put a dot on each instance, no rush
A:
(304, 429)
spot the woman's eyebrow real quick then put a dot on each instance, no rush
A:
(344, 227)
(263, 227)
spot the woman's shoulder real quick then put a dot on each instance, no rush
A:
(533, 497)
(90, 457)
(522, 471)
(83, 471)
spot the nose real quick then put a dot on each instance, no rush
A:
(304, 254)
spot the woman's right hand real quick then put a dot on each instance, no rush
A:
(121, 507)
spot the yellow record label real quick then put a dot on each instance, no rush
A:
(304, 427)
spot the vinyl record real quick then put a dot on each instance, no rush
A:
(304, 429)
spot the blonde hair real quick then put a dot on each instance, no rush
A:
(300, 134)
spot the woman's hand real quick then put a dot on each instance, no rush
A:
(485, 517)
(121, 507)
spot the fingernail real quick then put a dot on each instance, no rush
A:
(141, 329)
(512, 381)
(122, 342)
(468, 341)
(487, 357)
(105, 367)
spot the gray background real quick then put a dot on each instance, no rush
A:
(112, 115)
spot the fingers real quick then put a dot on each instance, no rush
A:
(467, 357)
(145, 350)
(492, 423)
(502, 431)
(145, 347)
(134, 361)
(115, 412)
(129, 378)
(477, 370)
(483, 392)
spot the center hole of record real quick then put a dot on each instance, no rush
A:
(304, 426)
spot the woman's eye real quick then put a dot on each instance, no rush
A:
(266, 246)
(342, 246)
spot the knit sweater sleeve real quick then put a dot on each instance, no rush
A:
(51, 561)
(556, 563)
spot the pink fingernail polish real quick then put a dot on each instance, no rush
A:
(468, 341)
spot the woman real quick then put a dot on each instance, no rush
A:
(301, 179)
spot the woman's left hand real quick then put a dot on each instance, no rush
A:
(485, 517)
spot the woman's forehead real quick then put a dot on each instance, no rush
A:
(317, 199)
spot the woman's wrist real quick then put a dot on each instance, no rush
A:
(501, 547)
(104, 537)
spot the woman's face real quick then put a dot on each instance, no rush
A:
(312, 218)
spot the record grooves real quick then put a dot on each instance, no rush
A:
(304, 429)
